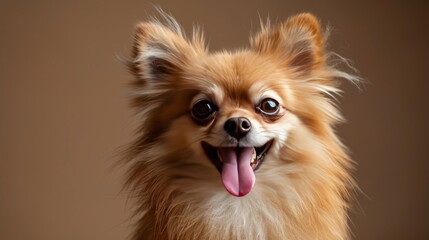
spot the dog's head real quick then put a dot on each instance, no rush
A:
(229, 112)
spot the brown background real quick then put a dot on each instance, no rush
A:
(64, 113)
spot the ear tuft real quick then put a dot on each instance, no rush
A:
(160, 49)
(298, 41)
(307, 22)
(155, 51)
(307, 50)
(159, 66)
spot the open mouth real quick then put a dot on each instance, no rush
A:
(237, 165)
(257, 157)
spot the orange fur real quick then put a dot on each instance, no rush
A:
(302, 189)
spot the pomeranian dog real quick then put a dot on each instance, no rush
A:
(238, 145)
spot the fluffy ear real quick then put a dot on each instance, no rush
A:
(298, 41)
(160, 51)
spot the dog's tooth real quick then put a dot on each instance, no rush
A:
(253, 156)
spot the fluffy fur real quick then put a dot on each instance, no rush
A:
(302, 188)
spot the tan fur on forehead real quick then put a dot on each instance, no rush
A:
(241, 77)
(303, 187)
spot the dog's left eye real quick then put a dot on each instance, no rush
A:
(269, 107)
(203, 112)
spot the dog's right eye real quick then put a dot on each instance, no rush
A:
(203, 112)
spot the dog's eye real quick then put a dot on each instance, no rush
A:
(269, 106)
(203, 112)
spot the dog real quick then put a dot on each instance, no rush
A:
(238, 145)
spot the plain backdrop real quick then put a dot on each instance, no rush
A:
(64, 113)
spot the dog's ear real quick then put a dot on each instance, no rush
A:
(298, 42)
(160, 51)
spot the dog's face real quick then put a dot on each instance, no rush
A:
(241, 117)
(228, 112)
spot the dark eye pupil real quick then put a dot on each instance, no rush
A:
(203, 109)
(269, 105)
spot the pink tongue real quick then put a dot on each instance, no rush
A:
(237, 174)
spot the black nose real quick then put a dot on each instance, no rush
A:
(237, 127)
